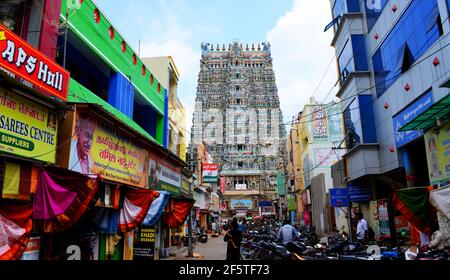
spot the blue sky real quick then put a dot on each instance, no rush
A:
(300, 48)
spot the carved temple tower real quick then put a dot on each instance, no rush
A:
(238, 118)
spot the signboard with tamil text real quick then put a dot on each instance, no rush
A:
(99, 148)
(339, 197)
(26, 128)
(210, 173)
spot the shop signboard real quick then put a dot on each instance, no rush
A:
(438, 154)
(280, 183)
(222, 184)
(144, 244)
(335, 125)
(383, 218)
(185, 186)
(21, 59)
(291, 204)
(359, 193)
(26, 128)
(214, 201)
(241, 204)
(31, 252)
(163, 177)
(210, 173)
(241, 187)
(265, 204)
(99, 148)
(409, 114)
(319, 124)
(339, 197)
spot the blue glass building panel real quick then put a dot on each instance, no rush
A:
(352, 124)
(373, 11)
(416, 31)
(367, 119)
(359, 52)
(121, 94)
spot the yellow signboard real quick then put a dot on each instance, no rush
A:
(98, 148)
(26, 128)
(438, 154)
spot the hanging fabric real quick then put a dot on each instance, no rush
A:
(440, 199)
(106, 220)
(135, 207)
(156, 209)
(415, 207)
(15, 229)
(62, 197)
(176, 212)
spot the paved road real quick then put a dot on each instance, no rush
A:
(214, 249)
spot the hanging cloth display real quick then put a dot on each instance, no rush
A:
(176, 212)
(106, 220)
(135, 207)
(15, 229)
(62, 197)
(156, 209)
(440, 199)
(414, 205)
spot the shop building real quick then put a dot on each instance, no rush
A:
(392, 60)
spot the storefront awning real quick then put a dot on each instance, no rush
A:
(427, 119)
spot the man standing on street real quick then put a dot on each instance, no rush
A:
(362, 230)
(287, 233)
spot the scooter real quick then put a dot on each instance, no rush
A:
(203, 238)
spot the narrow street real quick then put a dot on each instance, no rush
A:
(214, 249)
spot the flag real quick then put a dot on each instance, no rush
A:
(415, 207)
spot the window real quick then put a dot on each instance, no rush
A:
(352, 124)
(416, 31)
(373, 11)
(359, 122)
(340, 8)
(448, 5)
(238, 88)
(240, 147)
(353, 57)
(240, 164)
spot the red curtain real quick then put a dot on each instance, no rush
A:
(135, 208)
(15, 228)
(176, 212)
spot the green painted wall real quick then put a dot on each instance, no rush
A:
(96, 36)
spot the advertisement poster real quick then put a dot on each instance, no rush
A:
(97, 148)
(185, 186)
(319, 124)
(280, 183)
(164, 178)
(210, 173)
(144, 243)
(383, 219)
(438, 154)
(27, 129)
(324, 157)
(241, 204)
(376, 223)
(335, 124)
(31, 252)
(306, 170)
(21, 59)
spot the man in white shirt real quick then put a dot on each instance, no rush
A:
(362, 229)
(287, 233)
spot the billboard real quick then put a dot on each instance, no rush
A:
(319, 124)
(98, 148)
(21, 59)
(210, 173)
(241, 204)
(280, 183)
(163, 177)
(26, 128)
(438, 154)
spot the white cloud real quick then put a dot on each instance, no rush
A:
(301, 53)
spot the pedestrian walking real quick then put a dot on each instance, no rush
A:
(233, 237)
(287, 233)
(362, 229)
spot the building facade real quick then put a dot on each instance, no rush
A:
(237, 115)
(315, 145)
(394, 85)
(166, 72)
